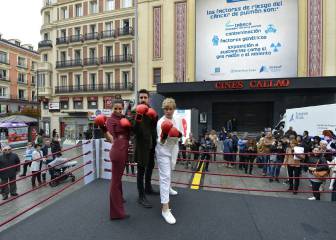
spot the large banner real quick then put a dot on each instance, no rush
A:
(246, 39)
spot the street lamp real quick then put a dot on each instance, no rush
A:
(37, 98)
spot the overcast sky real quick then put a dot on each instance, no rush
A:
(21, 19)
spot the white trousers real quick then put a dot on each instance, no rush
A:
(166, 162)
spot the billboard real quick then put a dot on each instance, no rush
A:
(246, 39)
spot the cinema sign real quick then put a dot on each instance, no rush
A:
(253, 84)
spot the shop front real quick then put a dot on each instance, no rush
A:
(254, 104)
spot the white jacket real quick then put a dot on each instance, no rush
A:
(170, 147)
(35, 166)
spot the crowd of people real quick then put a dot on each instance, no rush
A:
(36, 158)
(301, 155)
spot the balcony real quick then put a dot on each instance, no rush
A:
(91, 36)
(44, 67)
(62, 40)
(4, 78)
(76, 38)
(47, 3)
(125, 31)
(45, 44)
(69, 63)
(91, 61)
(4, 61)
(108, 34)
(44, 91)
(22, 65)
(20, 81)
(117, 59)
(94, 88)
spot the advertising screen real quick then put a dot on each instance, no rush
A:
(246, 39)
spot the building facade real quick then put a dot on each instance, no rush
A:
(18, 65)
(87, 60)
(167, 52)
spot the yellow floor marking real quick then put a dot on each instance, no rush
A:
(197, 177)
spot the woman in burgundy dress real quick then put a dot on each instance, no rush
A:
(118, 133)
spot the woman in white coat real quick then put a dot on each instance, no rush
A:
(166, 149)
(36, 165)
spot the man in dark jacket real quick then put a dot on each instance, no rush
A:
(49, 151)
(8, 159)
(145, 142)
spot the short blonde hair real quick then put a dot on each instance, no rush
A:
(169, 102)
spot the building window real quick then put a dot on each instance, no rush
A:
(63, 56)
(77, 81)
(3, 74)
(47, 18)
(108, 52)
(77, 56)
(125, 78)
(63, 33)
(92, 85)
(64, 13)
(21, 77)
(77, 31)
(3, 108)
(45, 57)
(156, 76)
(21, 62)
(93, 7)
(126, 3)
(126, 26)
(78, 103)
(21, 94)
(33, 79)
(109, 80)
(41, 80)
(3, 57)
(64, 81)
(78, 10)
(3, 92)
(33, 66)
(93, 28)
(64, 104)
(33, 95)
(110, 5)
(108, 26)
(125, 50)
(46, 36)
(92, 102)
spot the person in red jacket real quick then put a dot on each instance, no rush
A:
(118, 133)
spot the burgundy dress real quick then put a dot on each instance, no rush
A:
(118, 157)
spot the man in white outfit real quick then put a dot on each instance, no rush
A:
(166, 153)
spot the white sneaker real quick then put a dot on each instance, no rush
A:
(168, 216)
(172, 192)
(312, 198)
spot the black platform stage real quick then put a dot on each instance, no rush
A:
(83, 215)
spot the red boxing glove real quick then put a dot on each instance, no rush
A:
(166, 125)
(100, 120)
(140, 111)
(173, 132)
(163, 137)
(151, 113)
(125, 123)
